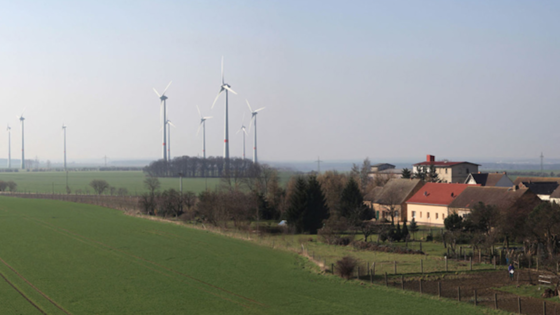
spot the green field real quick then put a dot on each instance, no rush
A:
(48, 182)
(70, 258)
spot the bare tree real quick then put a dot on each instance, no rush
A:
(99, 185)
(152, 184)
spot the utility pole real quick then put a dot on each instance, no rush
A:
(542, 170)
(105, 157)
(319, 165)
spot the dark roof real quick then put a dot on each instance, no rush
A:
(487, 179)
(521, 179)
(437, 193)
(541, 188)
(372, 195)
(397, 190)
(380, 164)
(501, 197)
(443, 163)
(555, 193)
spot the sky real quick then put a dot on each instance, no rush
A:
(342, 80)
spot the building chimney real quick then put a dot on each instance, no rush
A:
(430, 158)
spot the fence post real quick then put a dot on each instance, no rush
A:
(494, 261)
(332, 269)
(446, 269)
(373, 269)
(518, 305)
(371, 277)
(475, 297)
(420, 245)
(470, 260)
(496, 300)
(395, 263)
(459, 294)
(386, 282)
(402, 281)
(544, 307)
(420, 281)
(368, 268)
(421, 266)
(439, 288)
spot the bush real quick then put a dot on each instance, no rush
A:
(345, 267)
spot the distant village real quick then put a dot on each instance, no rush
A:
(432, 190)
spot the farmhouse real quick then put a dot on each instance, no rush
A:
(503, 198)
(542, 186)
(489, 179)
(392, 199)
(448, 172)
(429, 205)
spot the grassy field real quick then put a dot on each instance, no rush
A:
(72, 258)
(47, 182)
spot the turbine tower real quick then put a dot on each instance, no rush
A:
(162, 97)
(169, 125)
(64, 130)
(203, 125)
(244, 133)
(21, 118)
(254, 119)
(9, 129)
(225, 87)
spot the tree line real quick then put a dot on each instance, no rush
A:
(198, 167)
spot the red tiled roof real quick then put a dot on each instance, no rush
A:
(438, 193)
(442, 163)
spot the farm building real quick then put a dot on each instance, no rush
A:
(430, 204)
(489, 179)
(393, 197)
(502, 197)
(448, 172)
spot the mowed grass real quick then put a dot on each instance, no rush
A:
(93, 260)
(133, 181)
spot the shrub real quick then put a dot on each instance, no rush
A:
(345, 267)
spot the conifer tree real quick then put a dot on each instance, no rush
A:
(317, 209)
(352, 204)
(398, 232)
(406, 173)
(404, 232)
(413, 227)
(297, 205)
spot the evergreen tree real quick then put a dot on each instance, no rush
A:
(317, 209)
(398, 232)
(297, 205)
(404, 232)
(391, 233)
(421, 172)
(433, 175)
(413, 227)
(406, 173)
(352, 204)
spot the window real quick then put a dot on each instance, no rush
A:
(445, 171)
(443, 216)
(437, 214)
(420, 213)
(427, 215)
(414, 214)
(396, 213)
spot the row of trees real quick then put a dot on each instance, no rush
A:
(8, 186)
(198, 167)
(425, 173)
(101, 186)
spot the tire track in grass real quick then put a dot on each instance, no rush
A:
(22, 294)
(34, 287)
(127, 255)
(152, 263)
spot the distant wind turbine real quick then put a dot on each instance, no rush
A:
(254, 119)
(225, 87)
(162, 97)
(64, 130)
(203, 125)
(9, 129)
(244, 133)
(21, 118)
(169, 125)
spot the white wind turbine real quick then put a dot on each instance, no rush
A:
(21, 118)
(64, 130)
(162, 97)
(225, 87)
(244, 133)
(169, 125)
(203, 125)
(9, 129)
(254, 119)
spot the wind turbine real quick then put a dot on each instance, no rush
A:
(64, 130)
(169, 125)
(225, 87)
(244, 133)
(162, 97)
(254, 119)
(203, 125)
(9, 129)
(21, 118)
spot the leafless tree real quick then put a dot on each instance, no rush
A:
(99, 185)
(152, 184)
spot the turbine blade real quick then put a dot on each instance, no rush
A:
(217, 98)
(250, 122)
(207, 117)
(171, 124)
(249, 105)
(222, 70)
(232, 91)
(157, 92)
(198, 109)
(245, 131)
(199, 125)
(23, 111)
(257, 110)
(166, 88)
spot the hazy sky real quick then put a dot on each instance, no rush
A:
(339, 79)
